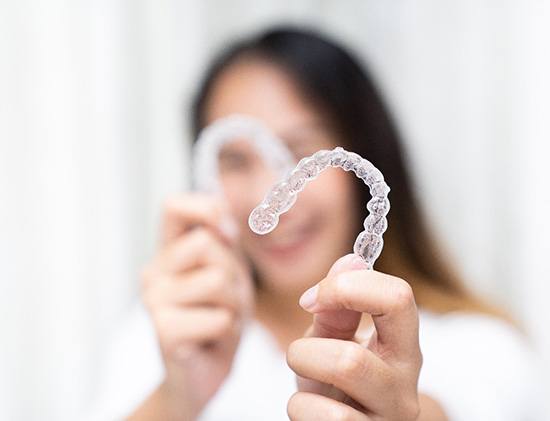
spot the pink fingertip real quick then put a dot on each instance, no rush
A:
(357, 263)
(342, 263)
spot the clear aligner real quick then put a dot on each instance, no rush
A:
(212, 138)
(368, 245)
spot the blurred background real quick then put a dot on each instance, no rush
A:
(93, 137)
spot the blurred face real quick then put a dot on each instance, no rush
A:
(320, 227)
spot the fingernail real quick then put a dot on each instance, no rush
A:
(308, 298)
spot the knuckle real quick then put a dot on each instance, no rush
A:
(217, 279)
(292, 352)
(204, 240)
(390, 381)
(169, 339)
(341, 413)
(403, 295)
(217, 285)
(170, 346)
(409, 409)
(222, 322)
(351, 362)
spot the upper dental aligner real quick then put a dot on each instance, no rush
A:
(224, 130)
(265, 217)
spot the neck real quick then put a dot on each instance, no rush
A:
(282, 316)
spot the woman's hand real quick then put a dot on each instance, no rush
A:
(198, 292)
(342, 377)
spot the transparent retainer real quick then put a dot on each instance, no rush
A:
(225, 130)
(282, 196)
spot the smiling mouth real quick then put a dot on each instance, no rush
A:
(291, 242)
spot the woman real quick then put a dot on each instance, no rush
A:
(228, 306)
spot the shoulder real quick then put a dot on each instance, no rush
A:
(460, 328)
(484, 340)
(477, 366)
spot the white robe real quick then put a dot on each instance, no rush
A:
(476, 367)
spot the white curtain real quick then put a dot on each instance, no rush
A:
(93, 136)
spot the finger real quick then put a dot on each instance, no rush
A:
(348, 366)
(341, 323)
(303, 406)
(210, 285)
(199, 247)
(345, 263)
(177, 327)
(182, 213)
(388, 299)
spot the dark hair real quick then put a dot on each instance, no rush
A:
(333, 81)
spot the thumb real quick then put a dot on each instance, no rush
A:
(346, 263)
(337, 324)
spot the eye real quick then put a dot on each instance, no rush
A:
(234, 161)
